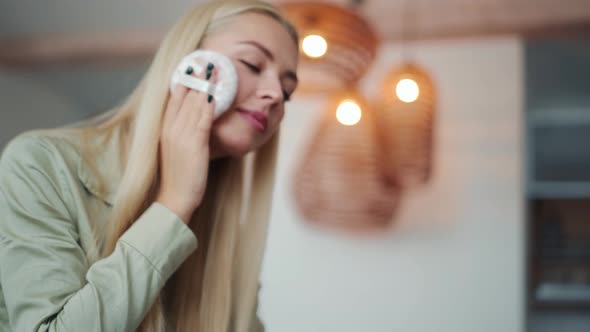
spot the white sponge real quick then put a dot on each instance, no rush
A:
(224, 91)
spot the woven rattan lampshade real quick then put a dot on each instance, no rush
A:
(352, 45)
(406, 128)
(340, 181)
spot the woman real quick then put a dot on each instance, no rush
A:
(93, 219)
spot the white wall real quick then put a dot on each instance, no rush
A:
(28, 104)
(52, 96)
(455, 263)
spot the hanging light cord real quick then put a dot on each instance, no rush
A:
(408, 17)
(356, 3)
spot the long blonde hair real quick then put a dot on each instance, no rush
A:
(218, 283)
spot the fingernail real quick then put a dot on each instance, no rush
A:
(209, 70)
(189, 70)
(210, 99)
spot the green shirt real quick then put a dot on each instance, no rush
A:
(51, 205)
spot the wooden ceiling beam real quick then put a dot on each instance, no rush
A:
(78, 48)
(138, 46)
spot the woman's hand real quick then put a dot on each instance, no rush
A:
(184, 148)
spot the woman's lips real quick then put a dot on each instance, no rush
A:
(257, 119)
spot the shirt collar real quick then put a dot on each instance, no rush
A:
(101, 170)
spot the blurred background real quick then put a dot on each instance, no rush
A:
(434, 172)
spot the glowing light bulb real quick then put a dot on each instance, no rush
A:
(348, 113)
(407, 90)
(314, 46)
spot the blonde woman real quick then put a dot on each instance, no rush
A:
(133, 221)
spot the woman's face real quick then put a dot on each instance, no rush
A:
(265, 57)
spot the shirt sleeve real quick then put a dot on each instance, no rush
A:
(45, 278)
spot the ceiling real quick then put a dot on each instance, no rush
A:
(430, 17)
(115, 23)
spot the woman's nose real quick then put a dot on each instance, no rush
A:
(270, 89)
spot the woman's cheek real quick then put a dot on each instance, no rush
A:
(244, 82)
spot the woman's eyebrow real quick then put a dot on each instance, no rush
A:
(260, 47)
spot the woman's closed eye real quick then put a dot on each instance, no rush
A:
(253, 68)
(256, 70)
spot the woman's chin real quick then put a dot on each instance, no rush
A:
(232, 145)
(237, 150)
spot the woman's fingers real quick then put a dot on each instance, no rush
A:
(196, 109)
(174, 104)
(207, 114)
(185, 149)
